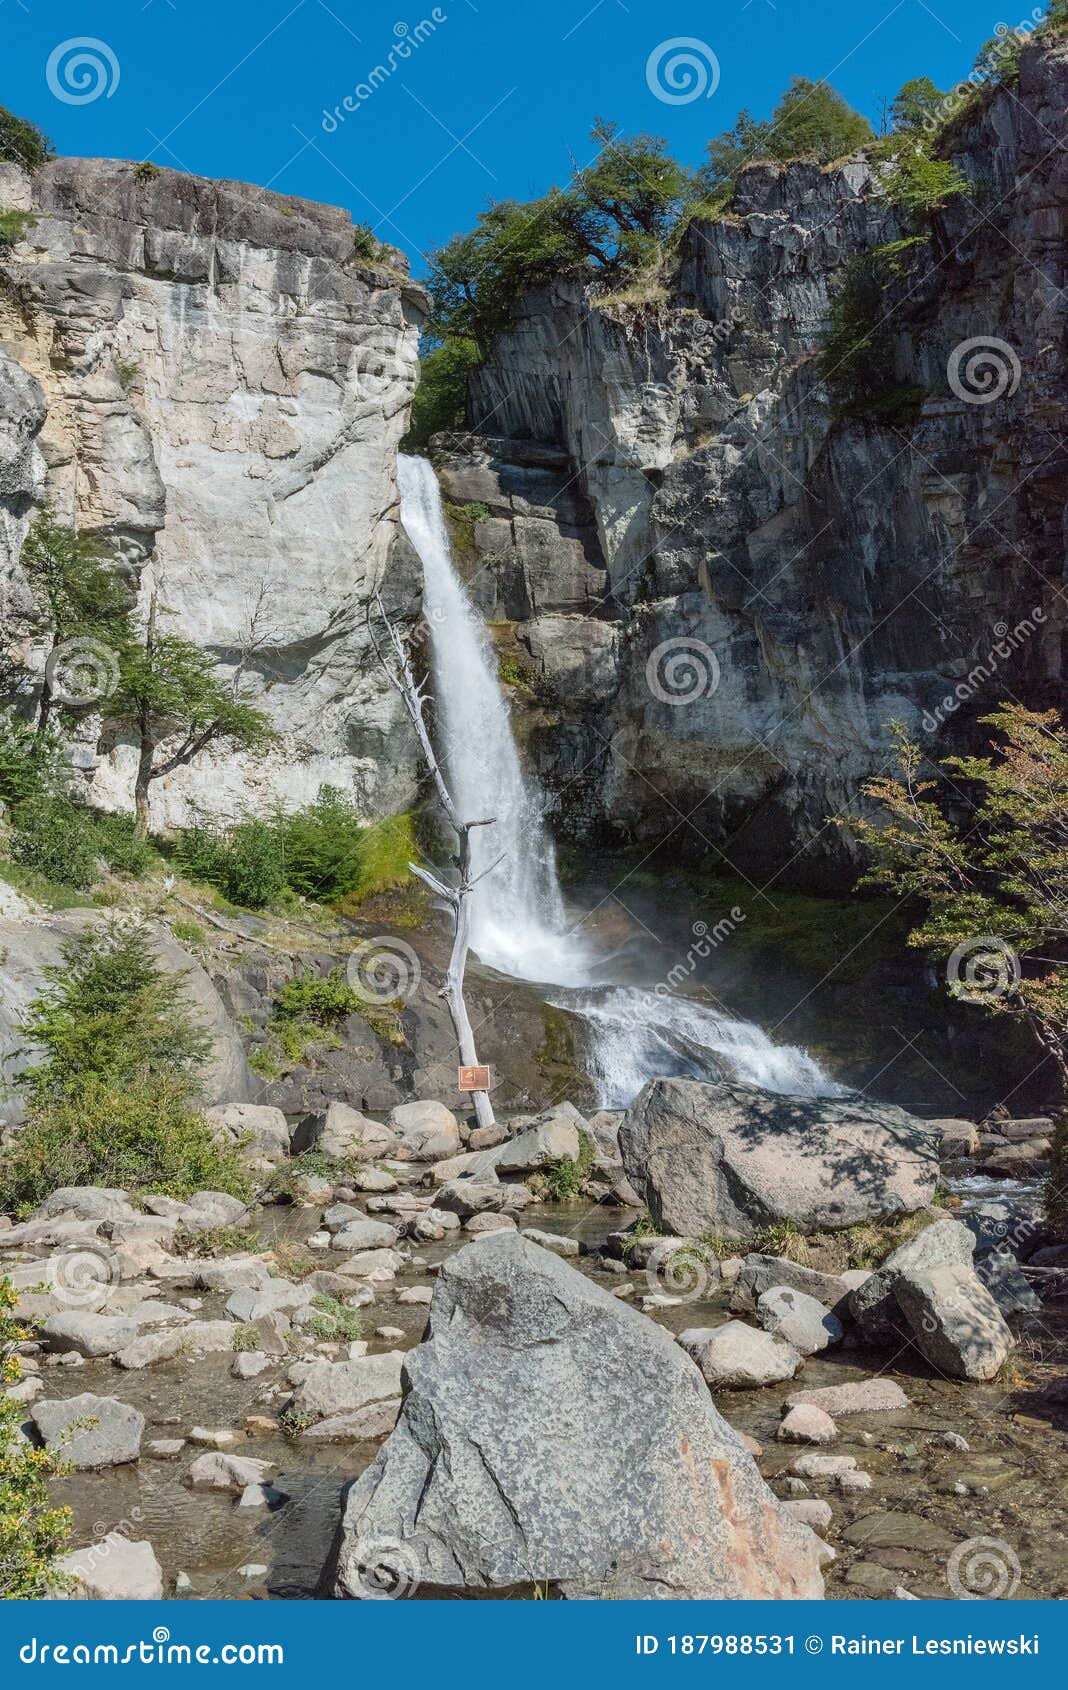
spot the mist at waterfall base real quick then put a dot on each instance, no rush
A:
(519, 925)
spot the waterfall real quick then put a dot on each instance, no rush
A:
(518, 922)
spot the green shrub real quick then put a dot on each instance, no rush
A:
(313, 998)
(114, 836)
(188, 932)
(144, 1136)
(14, 225)
(111, 1013)
(33, 1535)
(245, 862)
(563, 1180)
(21, 142)
(31, 764)
(321, 846)
(332, 1320)
(56, 840)
(812, 120)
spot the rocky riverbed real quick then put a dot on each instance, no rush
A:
(223, 1402)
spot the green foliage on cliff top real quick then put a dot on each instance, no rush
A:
(21, 142)
(812, 120)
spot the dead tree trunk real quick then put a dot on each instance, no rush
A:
(458, 897)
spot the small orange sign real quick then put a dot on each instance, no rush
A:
(473, 1079)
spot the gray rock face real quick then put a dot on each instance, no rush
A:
(798, 1320)
(111, 1437)
(752, 555)
(550, 1434)
(733, 1159)
(271, 378)
(551, 1137)
(263, 1130)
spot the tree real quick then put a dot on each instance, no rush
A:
(33, 1535)
(915, 102)
(994, 884)
(170, 694)
(21, 142)
(812, 120)
(441, 398)
(80, 601)
(608, 220)
(398, 670)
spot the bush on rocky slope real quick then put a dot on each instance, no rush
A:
(33, 1534)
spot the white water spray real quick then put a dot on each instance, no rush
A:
(518, 922)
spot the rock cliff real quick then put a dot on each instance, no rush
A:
(208, 377)
(724, 585)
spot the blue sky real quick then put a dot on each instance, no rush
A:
(494, 101)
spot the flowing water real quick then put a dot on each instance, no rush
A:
(519, 924)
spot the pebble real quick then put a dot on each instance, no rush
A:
(807, 1424)
(389, 1333)
(811, 1512)
(261, 1496)
(252, 1570)
(182, 1583)
(165, 1449)
(853, 1480)
(248, 1363)
(212, 1439)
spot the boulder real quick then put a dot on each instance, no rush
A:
(758, 1274)
(342, 1134)
(806, 1424)
(873, 1305)
(956, 1139)
(798, 1320)
(550, 1434)
(557, 1242)
(736, 1357)
(1000, 1272)
(733, 1159)
(363, 1233)
(468, 1197)
(865, 1396)
(550, 1137)
(332, 1388)
(262, 1129)
(427, 1132)
(113, 1570)
(219, 1471)
(955, 1322)
(111, 1436)
(87, 1333)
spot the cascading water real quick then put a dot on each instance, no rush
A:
(518, 922)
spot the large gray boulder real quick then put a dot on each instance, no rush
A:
(873, 1305)
(733, 1159)
(736, 1357)
(955, 1322)
(427, 1132)
(112, 1570)
(90, 1431)
(549, 1434)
